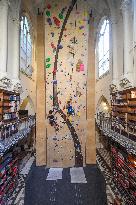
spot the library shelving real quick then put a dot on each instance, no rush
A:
(122, 158)
(9, 106)
(16, 140)
(123, 105)
(123, 168)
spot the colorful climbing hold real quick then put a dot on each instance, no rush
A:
(52, 34)
(56, 21)
(48, 65)
(52, 45)
(48, 13)
(48, 6)
(54, 71)
(49, 21)
(81, 67)
(48, 60)
(60, 46)
(51, 97)
(81, 27)
(61, 16)
(55, 82)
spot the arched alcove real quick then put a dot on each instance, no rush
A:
(27, 104)
(103, 105)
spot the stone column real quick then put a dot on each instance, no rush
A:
(127, 78)
(15, 71)
(134, 39)
(134, 22)
(41, 100)
(14, 42)
(15, 55)
(90, 141)
(114, 48)
(3, 42)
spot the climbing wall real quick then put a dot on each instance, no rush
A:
(70, 79)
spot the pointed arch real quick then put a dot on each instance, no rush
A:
(103, 102)
(26, 102)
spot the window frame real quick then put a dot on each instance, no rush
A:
(24, 51)
(105, 18)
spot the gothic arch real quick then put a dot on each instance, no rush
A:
(27, 101)
(103, 100)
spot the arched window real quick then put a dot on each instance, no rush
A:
(25, 47)
(103, 48)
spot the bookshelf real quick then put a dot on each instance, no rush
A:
(123, 166)
(122, 156)
(9, 105)
(17, 135)
(123, 105)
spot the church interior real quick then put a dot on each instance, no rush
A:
(67, 102)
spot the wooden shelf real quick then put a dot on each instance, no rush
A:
(10, 100)
(123, 105)
(132, 99)
(121, 99)
(9, 120)
(9, 112)
(119, 105)
(8, 104)
(123, 168)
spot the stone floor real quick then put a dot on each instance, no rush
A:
(66, 175)
(69, 186)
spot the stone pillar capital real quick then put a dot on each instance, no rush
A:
(5, 82)
(125, 82)
(113, 88)
(16, 86)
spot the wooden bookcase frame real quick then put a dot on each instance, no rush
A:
(123, 104)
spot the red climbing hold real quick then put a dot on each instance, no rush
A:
(52, 45)
(56, 21)
(54, 71)
(48, 6)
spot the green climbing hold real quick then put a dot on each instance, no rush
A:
(48, 13)
(48, 65)
(48, 60)
(51, 97)
(61, 16)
